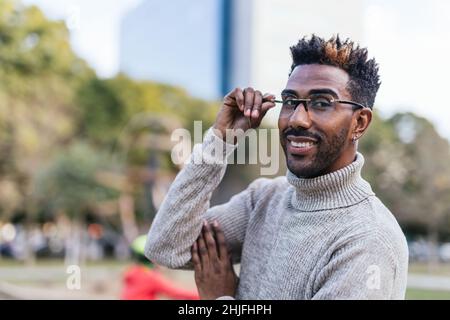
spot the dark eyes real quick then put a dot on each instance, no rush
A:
(314, 102)
(291, 103)
(320, 103)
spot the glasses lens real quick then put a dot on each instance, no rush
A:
(315, 104)
(291, 103)
(320, 102)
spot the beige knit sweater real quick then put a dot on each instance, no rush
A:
(328, 237)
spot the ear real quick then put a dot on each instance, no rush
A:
(362, 120)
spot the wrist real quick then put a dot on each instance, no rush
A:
(213, 150)
(229, 136)
(220, 132)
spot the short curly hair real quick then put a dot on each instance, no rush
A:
(363, 72)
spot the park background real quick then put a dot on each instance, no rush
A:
(90, 92)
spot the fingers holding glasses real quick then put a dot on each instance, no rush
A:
(249, 96)
(263, 104)
(239, 97)
(257, 102)
(268, 103)
(256, 105)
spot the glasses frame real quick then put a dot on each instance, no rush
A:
(305, 102)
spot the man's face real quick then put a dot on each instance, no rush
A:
(316, 142)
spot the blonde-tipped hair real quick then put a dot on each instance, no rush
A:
(363, 72)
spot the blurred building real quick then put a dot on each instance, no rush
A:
(179, 42)
(211, 46)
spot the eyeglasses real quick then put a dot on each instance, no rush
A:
(316, 103)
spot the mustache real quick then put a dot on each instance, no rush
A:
(301, 133)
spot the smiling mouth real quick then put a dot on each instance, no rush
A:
(300, 146)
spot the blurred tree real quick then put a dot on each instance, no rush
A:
(38, 76)
(69, 185)
(427, 180)
(408, 167)
(135, 119)
(109, 106)
(50, 99)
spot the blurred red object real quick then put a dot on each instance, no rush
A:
(142, 283)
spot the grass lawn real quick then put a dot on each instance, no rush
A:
(107, 273)
(421, 294)
(442, 269)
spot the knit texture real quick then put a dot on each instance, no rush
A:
(328, 237)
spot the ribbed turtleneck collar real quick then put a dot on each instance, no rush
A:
(338, 189)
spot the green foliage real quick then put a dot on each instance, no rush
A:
(51, 102)
(38, 76)
(109, 106)
(407, 163)
(69, 183)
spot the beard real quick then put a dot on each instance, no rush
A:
(325, 153)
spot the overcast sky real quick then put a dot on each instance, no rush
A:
(95, 27)
(409, 38)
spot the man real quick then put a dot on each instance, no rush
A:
(317, 233)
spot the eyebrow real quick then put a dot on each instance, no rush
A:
(290, 92)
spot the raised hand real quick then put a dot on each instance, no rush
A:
(243, 109)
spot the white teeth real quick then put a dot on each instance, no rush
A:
(302, 144)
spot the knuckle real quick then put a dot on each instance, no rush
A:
(233, 92)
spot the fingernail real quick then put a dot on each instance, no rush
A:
(255, 113)
(247, 112)
(216, 224)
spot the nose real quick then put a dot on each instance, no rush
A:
(300, 117)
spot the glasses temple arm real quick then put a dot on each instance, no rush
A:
(351, 102)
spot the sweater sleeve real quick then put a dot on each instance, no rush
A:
(178, 222)
(363, 269)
